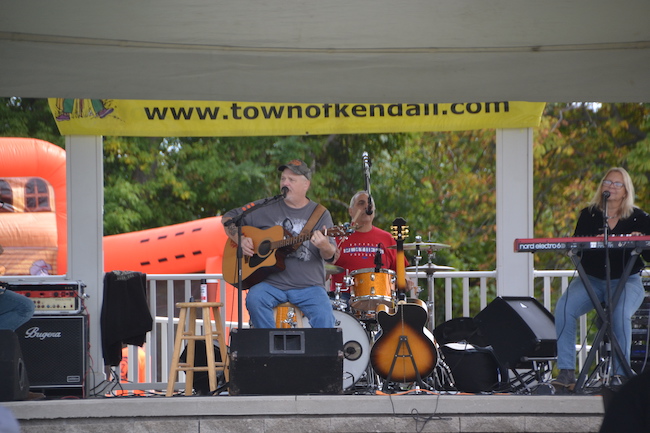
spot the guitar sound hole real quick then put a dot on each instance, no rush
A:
(264, 248)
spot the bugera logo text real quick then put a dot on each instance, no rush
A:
(35, 333)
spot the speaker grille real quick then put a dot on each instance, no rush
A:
(54, 350)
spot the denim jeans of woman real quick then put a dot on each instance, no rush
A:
(575, 302)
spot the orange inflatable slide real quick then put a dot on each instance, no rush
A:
(33, 226)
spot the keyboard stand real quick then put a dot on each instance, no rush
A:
(605, 330)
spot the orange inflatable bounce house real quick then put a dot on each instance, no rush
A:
(33, 225)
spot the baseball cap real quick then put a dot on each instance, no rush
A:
(298, 167)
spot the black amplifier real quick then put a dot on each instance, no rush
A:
(54, 350)
(65, 297)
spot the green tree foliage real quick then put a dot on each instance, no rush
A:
(574, 146)
(443, 184)
(28, 117)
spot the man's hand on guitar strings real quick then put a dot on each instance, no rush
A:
(247, 246)
(320, 241)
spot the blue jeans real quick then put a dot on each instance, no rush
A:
(575, 302)
(15, 310)
(312, 301)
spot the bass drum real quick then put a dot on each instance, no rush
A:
(356, 347)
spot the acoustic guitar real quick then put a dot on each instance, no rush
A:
(403, 352)
(271, 247)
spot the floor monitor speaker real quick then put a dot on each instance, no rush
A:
(54, 348)
(14, 384)
(286, 361)
(517, 328)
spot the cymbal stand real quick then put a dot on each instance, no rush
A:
(431, 289)
(337, 302)
(431, 301)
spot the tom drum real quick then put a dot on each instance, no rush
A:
(371, 288)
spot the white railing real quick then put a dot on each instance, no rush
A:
(478, 288)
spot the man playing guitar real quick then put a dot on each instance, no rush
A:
(284, 251)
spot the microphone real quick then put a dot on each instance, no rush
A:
(282, 195)
(369, 210)
(366, 161)
(605, 195)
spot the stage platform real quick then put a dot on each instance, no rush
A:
(313, 413)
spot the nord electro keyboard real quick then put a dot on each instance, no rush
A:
(52, 298)
(580, 243)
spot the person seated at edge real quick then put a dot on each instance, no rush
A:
(359, 249)
(302, 282)
(623, 218)
(15, 309)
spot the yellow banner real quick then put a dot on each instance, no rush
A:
(121, 117)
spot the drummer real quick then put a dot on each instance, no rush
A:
(367, 247)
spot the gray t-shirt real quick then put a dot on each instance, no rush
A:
(304, 266)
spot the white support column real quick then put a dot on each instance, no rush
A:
(85, 191)
(514, 210)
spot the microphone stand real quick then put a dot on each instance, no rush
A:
(608, 290)
(378, 263)
(366, 171)
(237, 221)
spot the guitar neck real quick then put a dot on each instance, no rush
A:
(287, 242)
(400, 231)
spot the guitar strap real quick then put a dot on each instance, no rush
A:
(311, 223)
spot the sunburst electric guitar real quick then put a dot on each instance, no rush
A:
(403, 352)
(271, 247)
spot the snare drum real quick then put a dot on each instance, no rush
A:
(372, 288)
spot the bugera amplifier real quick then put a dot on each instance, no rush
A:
(54, 349)
(65, 297)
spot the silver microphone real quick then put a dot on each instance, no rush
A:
(366, 160)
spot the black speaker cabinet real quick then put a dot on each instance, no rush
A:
(14, 384)
(518, 327)
(54, 348)
(286, 361)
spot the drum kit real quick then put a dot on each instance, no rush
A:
(369, 289)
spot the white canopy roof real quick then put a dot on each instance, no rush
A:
(327, 51)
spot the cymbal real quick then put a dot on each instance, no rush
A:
(333, 269)
(430, 267)
(422, 245)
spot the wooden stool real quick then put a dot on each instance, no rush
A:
(187, 331)
(288, 315)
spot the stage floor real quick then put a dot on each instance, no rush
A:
(426, 412)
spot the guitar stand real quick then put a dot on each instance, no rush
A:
(403, 339)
